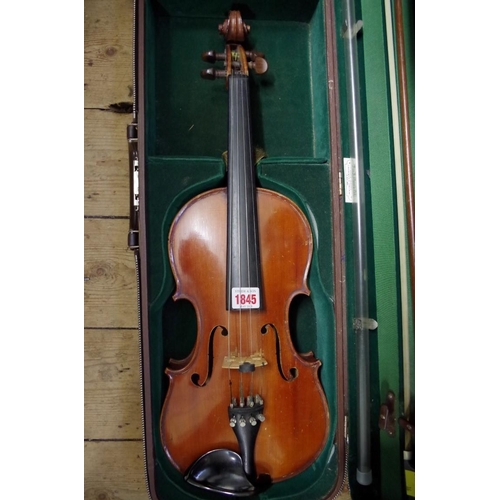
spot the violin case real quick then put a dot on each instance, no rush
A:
(299, 116)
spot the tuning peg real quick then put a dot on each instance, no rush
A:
(212, 74)
(212, 56)
(253, 55)
(259, 65)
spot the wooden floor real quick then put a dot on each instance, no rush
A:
(113, 437)
(114, 468)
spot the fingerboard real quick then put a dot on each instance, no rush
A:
(243, 260)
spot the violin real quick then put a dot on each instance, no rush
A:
(244, 409)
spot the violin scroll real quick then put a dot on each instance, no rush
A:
(235, 58)
(233, 29)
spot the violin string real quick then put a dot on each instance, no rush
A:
(234, 203)
(230, 208)
(228, 322)
(242, 201)
(238, 156)
(248, 194)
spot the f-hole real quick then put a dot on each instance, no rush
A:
(293, 371)
(195, 377)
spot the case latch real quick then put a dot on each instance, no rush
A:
(133, 234)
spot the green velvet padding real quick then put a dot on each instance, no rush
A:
(186, 134)
(187, 115)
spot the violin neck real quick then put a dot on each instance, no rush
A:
(243, 261)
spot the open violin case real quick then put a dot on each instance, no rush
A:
(268, 246)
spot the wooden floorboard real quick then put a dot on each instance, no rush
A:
(112, 389)
(106, 169)
(108, 52)
(114, 471)
(110, 285)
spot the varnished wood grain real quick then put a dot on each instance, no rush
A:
(106, 169)
(110, 296)
(108, 52)
(295, 407)
(114, 471)
(112, 385)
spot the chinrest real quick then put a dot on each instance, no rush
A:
(222, 471)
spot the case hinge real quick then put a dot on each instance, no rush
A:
(386, 418)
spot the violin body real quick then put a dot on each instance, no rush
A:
(194, 418)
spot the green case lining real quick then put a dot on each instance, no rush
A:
(186, 133)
